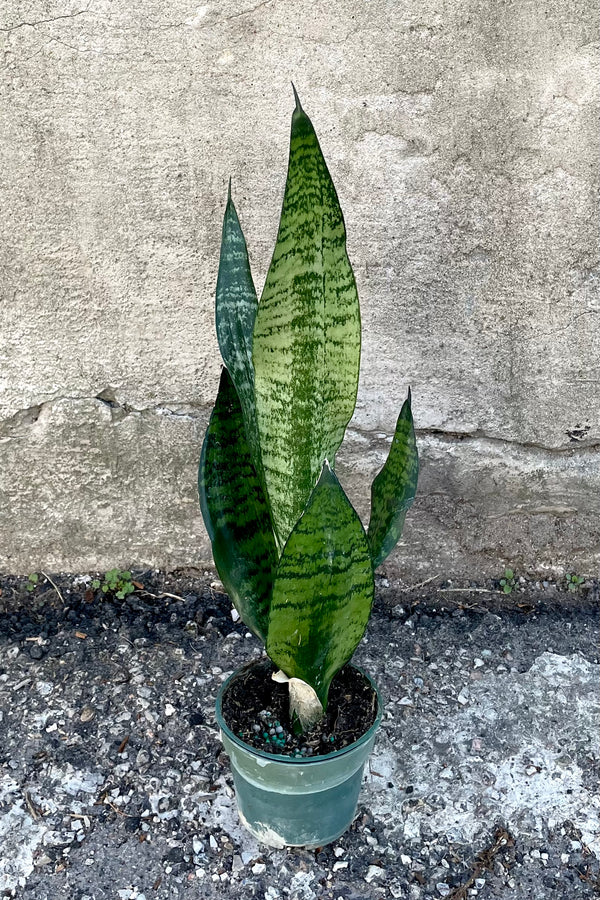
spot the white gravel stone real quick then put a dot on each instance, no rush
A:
(374, 872)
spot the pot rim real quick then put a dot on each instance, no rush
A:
(289, 760)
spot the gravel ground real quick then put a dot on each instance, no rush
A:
(113, 782)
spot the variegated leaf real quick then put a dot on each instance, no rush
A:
(323, 589)
(236, 306)
(235, 512)
(306, 347)
(394, 489)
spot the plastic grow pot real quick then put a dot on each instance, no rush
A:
(289, 802)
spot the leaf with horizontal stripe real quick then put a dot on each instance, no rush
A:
(235, 313)
(394, 489)
(306, 346)
(323, 589)
(235, 512)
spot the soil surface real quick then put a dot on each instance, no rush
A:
(114, 784)
(255, 708)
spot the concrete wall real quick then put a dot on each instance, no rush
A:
(462, 137)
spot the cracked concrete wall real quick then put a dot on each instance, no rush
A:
(463, 141)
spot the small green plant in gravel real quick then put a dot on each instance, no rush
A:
(32, 582)
(117, 582)
(574, 583)
(508, 583)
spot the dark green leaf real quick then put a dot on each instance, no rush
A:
(323, 589)
(306, 347)
(236, 305)
(235, 511)
(393, 490)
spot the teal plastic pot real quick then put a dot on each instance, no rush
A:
(287, 802)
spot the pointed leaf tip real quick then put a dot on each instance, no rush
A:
(394, 488)
(229, 191)
(297, 99)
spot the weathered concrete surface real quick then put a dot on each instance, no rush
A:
(463, 141)
(126, 482)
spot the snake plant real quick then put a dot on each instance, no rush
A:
(288, 545)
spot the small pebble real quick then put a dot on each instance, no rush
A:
(374, 872)
(197, 845)
(142, 758)
(87, 714)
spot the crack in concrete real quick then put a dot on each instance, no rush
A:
(30, 415)
(569, 324)
(244, 12)
(461, 436)
(190, 23)
(8, 28)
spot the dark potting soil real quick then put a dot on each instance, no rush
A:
(256, 709)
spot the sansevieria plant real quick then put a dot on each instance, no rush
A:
(287, 543)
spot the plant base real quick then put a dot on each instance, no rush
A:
(285, 801)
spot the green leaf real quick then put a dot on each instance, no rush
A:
(323, 589)
(394, 488)
(236, 305)
(306, 347)
(235, 511)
